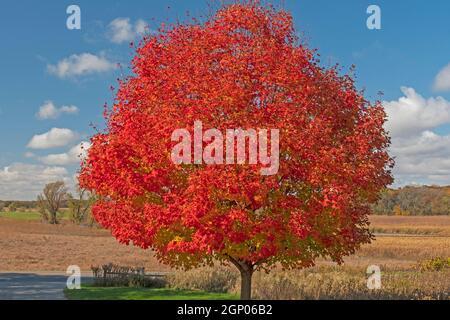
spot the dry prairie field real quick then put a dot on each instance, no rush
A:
(30, 245)
(401, 245)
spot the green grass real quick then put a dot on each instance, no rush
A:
(20, 215)
(33, 216)
(97, 293)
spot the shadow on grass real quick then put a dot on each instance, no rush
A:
(96, 293)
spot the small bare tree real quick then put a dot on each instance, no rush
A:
(12, 207)
(80, 207)
(50, 201)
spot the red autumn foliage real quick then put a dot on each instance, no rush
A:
(243, 68)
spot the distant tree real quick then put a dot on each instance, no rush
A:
(414, 200)
(400, 212)
(446, 201)
(386, 203)
(80, 207)
(12, 207)
(440, 202)
(51, 200)
(2, 206)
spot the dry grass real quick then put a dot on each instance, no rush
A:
(219, 279)
(343, 283)
(35, 246)
(417, 225)
(321, 283)
(405, 249)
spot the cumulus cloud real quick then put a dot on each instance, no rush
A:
(21, 181)
(49, 111)
(121, 30)
(80, 65)
(74, 155)
(56, 137)
(412, 113)
(422, 155)
(442, 80)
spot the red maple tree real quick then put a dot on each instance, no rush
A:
(243, 68)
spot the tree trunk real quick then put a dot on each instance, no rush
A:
(246, 283)
(246, 269)
(53, 218)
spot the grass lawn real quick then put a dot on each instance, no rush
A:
(33, 216)
(96, 293)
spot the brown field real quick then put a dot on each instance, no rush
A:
(35, 246)
(416, 225)
(403, 241)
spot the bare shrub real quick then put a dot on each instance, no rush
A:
(80, 207)
(51, 200)
(435, 264)
(112, 275)
(12, 207)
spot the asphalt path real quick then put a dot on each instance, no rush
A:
(33, 286)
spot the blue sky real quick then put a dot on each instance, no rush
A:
(71, 71)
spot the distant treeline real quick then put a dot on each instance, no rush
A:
(22, 205)
(18, 204)
(407, 201)
(414, 201)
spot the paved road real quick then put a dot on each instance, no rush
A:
(32, 286)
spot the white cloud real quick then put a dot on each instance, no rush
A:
(21, 181)
(74, 155)
(427, 154)
(80, 65)
(49, 111)
(427, 144)
(122, 30)
(442, 80)
(56, 137)
(140, 27)
(422, 156)
(413, 114)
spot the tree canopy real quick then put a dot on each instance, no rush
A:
(243, 68)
